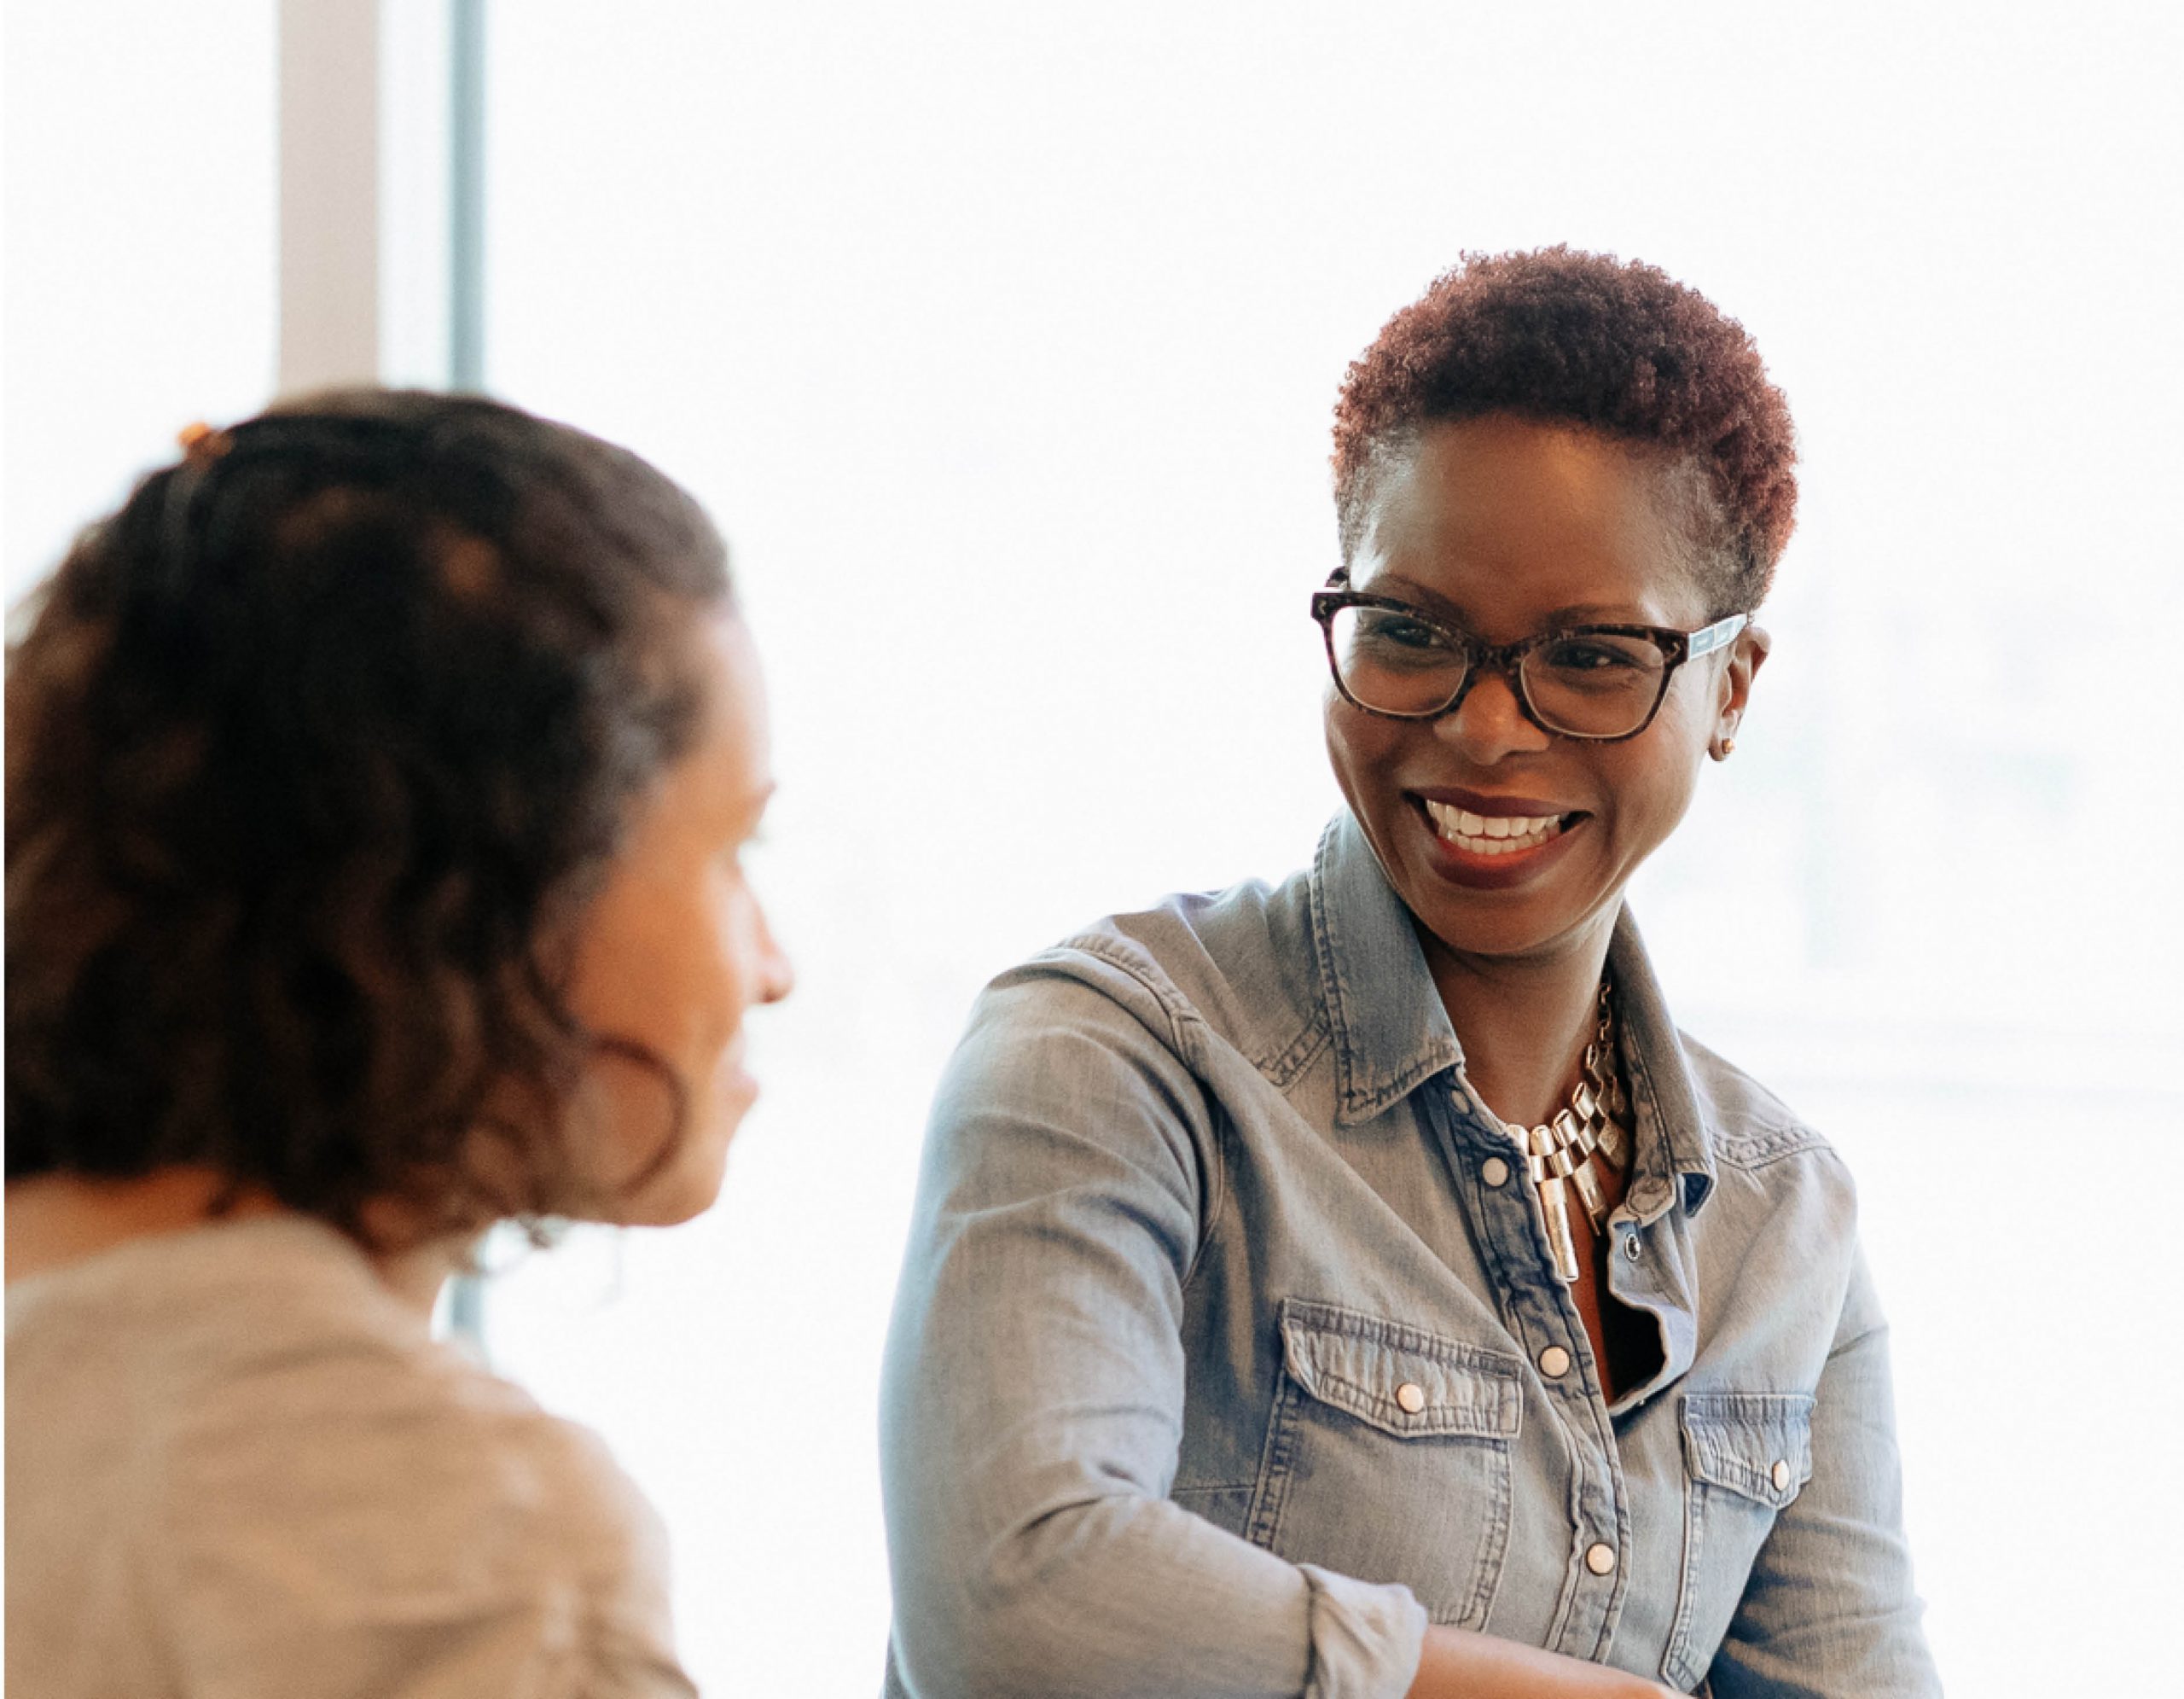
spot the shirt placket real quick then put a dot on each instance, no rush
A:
(1542, 1320)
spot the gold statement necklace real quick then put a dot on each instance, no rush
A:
(1585, 1143)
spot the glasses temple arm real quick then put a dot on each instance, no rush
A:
(1707, 638)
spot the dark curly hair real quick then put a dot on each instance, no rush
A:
(314, 750)
(1557, 335)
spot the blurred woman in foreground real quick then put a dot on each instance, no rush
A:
(376, 779)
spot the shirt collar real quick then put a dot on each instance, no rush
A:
(1659, 1077)
(1391, 1033)
(1390, 1030)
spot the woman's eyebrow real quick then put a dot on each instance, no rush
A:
(1398, 588)
(1402, 589)
(1598, 614)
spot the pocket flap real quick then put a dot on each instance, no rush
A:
(1400, 1379)
(1757, 1444)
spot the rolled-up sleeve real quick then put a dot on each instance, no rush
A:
(1830, 1612)
(1033, 1399)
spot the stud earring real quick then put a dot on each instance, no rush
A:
(1728, 748)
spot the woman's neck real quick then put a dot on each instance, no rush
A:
(1523, 1025)
(57, 1220)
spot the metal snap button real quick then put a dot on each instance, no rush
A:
(1780, 1474)
(1631, 1250)
(1554, 1361)
(1459, 1102)
(1601, 1560)
(1494, 1170)
(1411, 1397)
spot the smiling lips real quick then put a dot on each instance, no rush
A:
(1491, 835)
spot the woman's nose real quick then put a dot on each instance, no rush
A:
(777, 974)
(1489, 724)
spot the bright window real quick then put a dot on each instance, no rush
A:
(139, 266)
(1003, 339)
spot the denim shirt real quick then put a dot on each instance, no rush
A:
(1221, 1363)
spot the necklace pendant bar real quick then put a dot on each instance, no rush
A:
(1554, 1209)
(1588, 1183)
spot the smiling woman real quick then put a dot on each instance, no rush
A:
(1360, 1287)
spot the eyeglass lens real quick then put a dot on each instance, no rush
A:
(1590, 684)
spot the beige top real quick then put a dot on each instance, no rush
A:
(237, 1466)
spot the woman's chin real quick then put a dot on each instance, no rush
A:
(686, 1191)
(689, 1184)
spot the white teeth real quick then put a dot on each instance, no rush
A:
(1492, 834)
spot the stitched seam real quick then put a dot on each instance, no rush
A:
(1780, 1422)
(1133, 962)
(1676, 1663)
(1751, 1151)
(1181, 1018)
(1345, 1084)
(1486, 1572)
(1264, 1525)
(1216, 1190)
(1357, 1325)
(1634, 1060)
(1281, 1071)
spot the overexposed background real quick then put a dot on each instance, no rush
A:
(1002, 340)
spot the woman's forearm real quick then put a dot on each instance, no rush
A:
(1458, 1664)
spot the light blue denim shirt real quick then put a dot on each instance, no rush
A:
(1216, 1365)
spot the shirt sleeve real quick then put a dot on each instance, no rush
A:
(1829, 1612)
(1034, 1387)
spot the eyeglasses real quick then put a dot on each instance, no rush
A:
(1604, 682)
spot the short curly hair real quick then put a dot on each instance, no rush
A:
(1561, 335)
(316, 750)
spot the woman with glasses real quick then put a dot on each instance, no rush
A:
(1359, 1288)
(377, 777)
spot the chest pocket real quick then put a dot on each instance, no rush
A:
(1747, 1455)
(1388, 1457)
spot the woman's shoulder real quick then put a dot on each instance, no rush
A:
(331, 1389)
(289, 1460)
(1748, 1125)
(1238, 962)
(1774, 1175)
(254, 1376)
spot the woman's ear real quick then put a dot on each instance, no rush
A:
(1746, 656)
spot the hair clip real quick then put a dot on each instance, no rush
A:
(201, 443)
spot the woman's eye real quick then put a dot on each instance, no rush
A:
(1400, 631)
(1591, 654)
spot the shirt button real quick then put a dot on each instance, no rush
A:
(1411, 1398)
(1601, 1560)
(1494, 1170)
(1459, 1102)
(1554, 1361)
(1780, 1474)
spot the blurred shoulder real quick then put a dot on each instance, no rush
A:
(331, 1413)
(1759, 1143)
(244, 1435)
